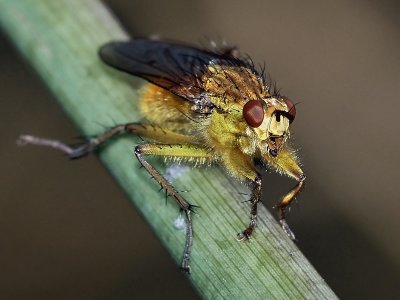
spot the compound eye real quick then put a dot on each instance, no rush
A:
(253, 113)
(291, 108)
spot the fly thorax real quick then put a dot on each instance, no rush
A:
(248, 143)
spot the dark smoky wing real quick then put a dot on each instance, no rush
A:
(175, 67)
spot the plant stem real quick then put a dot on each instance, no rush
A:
(60, 40)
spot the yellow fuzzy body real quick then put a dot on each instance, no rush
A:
(163, 108)
(221, 136)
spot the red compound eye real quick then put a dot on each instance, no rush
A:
(253, 113)
(291, 108)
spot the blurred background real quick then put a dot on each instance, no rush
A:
(68, 232)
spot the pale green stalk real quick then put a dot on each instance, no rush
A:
(60, 40)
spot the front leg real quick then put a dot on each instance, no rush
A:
(242, 167)
(254, 199)
(287, 163)
(285, 201)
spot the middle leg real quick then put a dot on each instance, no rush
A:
(182, 151)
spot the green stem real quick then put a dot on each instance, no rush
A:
(60, 39)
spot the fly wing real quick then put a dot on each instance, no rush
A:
(177, 68)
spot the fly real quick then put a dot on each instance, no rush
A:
(203, 107)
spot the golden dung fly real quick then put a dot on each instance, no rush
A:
(205, 107)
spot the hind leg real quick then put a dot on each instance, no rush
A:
(144, 130)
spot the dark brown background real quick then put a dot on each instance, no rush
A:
(67, 232)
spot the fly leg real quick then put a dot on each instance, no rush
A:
(241, 166)
(145, 130)
(285, 201)
(185, 151)
(287, 163)
(182, 148)
(254, 199)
